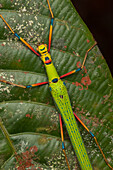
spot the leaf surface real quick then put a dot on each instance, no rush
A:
(29, 115)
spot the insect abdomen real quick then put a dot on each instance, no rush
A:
(61, 98)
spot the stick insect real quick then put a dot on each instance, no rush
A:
(59, 93)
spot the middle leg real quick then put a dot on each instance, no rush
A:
(27, 86)
(74, 71)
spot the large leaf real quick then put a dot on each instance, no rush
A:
(29, 115)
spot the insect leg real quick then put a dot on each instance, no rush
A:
(87, 54)
(22, 86)
(74, 71)
(93, 136)
(21, 39)
(51, 26)
(62, 136)
(37, 84)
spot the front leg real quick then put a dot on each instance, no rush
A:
(20, 38)
(51, 26)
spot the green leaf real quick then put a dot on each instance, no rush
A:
(29, 115)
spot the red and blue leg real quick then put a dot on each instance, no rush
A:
(20, 38)
(24, 42)
(74, 71)
(93, 136)
(22, 86)
(62, 137)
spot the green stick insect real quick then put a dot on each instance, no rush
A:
(60, 96)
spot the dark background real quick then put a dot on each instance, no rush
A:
(98, 16)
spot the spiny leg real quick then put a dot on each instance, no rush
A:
(22, 86)
(51, 26)
(74, 71)
(62, 137)
(21, 39)
(93, 136)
